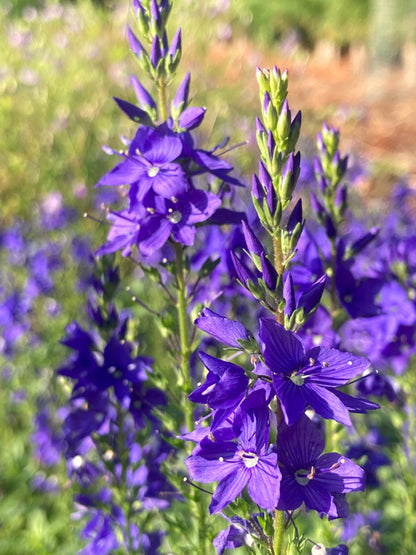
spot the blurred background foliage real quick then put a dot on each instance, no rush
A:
(60, 64)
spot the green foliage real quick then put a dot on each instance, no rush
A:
(341, 22)
(57, 71)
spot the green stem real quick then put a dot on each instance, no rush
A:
(162, 104)
(333, 290)
(181, 306)
(279, 516)
(278, 264)
(279, 528)
(199, 508)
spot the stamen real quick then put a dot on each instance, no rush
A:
(311, 475)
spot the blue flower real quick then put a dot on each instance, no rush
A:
(319, 481)
(246, 462)
(225, 386)
(149, 165)
(309, 377)
(176, 217)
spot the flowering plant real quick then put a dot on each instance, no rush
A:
(265, 421)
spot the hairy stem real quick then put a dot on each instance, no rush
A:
(278, 264)
(199, 508)
(279, 527)
(184, 340)
(162, 104)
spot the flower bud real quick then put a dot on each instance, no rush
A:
(270, 275)
(341, 201)
(311, 298)
(155, 18)
(244, 275)
(264, 177)
(253, 244)
(269, 112)
(289, 295)
(175, 50)
(284, 122)
(142, 18)
(263, 76)
(256, 188)
(294, 131)
(278, 86)
(295, 217)
(156, 52)
(144, 98)
(361, 243)
(289, 178)
(180, 100)
(330, 228)
(135, 44)
(191, 118)
(272, 201)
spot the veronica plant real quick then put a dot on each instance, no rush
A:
(257, 439)
(172, 188)
(283, 378)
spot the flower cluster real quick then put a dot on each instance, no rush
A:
(299, 378)
(272, 413)
(107, 425)
(162, 165)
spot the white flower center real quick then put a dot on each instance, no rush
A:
(249, 459)
(175, 217)
(153, 171)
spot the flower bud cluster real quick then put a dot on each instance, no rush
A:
(330, 168)
(161, 59)
(279, 167)
(263, 283)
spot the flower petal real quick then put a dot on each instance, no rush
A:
(225, 330)
(128, 171)
(264, 483)
(229, 488)
(299, 445)
(326, 403)
(283, 350)
(291, 398)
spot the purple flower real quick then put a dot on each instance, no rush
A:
(96, 371)
(225, 386)
(230, 538)
(123, 234)
(309, 377)
(149, 165)
(177, 217)
(319, 481)
(242, 463)
(225, 330)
